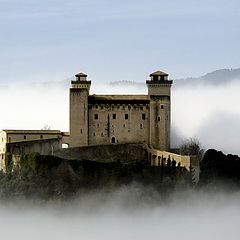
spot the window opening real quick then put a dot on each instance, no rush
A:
(113, 140)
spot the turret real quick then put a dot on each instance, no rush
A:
(79, 92)
(81, 81)
(159, 92)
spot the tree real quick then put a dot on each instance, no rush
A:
(46, 127)
(191, 147)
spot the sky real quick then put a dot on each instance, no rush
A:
(50, 40)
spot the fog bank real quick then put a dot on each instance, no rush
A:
(130, 212)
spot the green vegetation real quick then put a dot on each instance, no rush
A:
(216, 168)
(51, 177)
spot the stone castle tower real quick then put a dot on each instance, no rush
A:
(104, 119)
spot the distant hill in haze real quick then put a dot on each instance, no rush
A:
(215, 78)
(218, 77)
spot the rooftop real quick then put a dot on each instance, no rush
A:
(158, 73)
(81, 74)
(32, 131)
(118, 98)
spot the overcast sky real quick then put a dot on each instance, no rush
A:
(116, 40)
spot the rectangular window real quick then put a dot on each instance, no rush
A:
(126, 116)
(114, 116)
(162, 106)
(81, 130)
(41, 136)
(158, 119)
(143, 116)
(24, 137)
(96, 116)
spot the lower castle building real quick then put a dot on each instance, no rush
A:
(105, 119)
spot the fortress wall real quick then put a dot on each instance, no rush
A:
(43, 147)
(105, 153)
(134, 129)
(184, 161)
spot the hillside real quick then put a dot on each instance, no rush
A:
(218, 77)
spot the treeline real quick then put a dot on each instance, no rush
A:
(217, 167)
(51, 177)
(48, 176)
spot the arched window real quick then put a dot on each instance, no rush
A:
(113, 140)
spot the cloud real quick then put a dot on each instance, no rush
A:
(221, 130)
(130, 212)
(208, 113)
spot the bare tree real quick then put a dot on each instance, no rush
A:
(191, 147)
(46, 127)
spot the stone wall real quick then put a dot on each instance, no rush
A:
(43, 147)
(106, 153)
(120, 123)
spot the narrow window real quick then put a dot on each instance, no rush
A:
(2, 156)
(162, 106)
(126, 116)
(96, 116)
(102, 134)
(81, 130)
(9, 139)
(143, 116)
(24, 137)
(94, 134)
(114, 116)
(113, 140)
(101, 107)
(41, 136)
(158, 119)
(124, 125)
(141, 125)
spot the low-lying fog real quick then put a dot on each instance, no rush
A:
(128, 213)
(208, 113)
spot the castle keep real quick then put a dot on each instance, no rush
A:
(105, 119)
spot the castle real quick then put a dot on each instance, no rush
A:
(105, 120)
